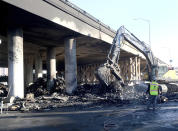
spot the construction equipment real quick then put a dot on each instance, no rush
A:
(110, 71)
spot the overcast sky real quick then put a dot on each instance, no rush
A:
(163, 16)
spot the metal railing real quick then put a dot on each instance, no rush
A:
(87, 14)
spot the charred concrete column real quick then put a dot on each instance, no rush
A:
(139, 75)
(28, 70)
(70, 65)
(51, 66)
(131, 69)
(136, 68)
(15, 62)
(38, 65)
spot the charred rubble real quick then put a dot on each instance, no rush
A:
(3, 78)
(3, 90)
(39, 87)
(39, 98)
(86, 95)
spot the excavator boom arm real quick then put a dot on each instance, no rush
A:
(113, 56)
(123, 34)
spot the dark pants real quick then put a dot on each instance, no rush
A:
(152, 101)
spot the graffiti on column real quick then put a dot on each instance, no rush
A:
(16, 54)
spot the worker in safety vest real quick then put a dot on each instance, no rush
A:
(154, 91)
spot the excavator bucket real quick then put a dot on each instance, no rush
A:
(103, 73)
(107, 75)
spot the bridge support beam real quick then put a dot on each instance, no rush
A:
(28, 70)
(138, 68)
(130, 68)
(38, 65)
(135, 68)
(125, 71)
(51, 66)
(86, 73)
(15, 62)
(70, 65)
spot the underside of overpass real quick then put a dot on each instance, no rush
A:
(40, 34)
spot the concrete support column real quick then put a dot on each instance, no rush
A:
(134, 71)
(15, 62)
(70, 65)
(127, 66)
(38, 66)
(28, 70)
(136, 68)
(131, 69)
(139, 74)
(51, 66)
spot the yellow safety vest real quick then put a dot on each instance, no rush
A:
(154, 88)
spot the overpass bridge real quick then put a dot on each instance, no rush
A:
(54, 34)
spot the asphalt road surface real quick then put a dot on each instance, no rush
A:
(100, 118)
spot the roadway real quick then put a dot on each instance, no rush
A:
(99, 118)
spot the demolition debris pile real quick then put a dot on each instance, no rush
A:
(3, 90)
(39, 98)
(3, 78)
(87, 95)
(172, 92)
(39, 87)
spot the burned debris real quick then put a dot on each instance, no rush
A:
(39, 87)
(3, 78)
(39, 98)
(3, 90)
